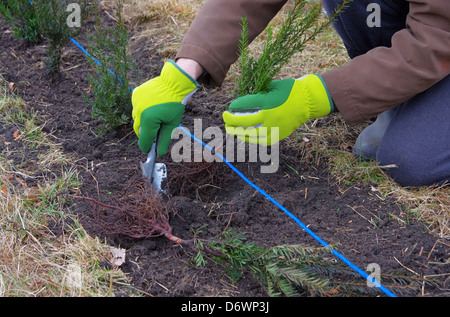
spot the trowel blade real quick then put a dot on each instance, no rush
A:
(160, 178)
(155, 172)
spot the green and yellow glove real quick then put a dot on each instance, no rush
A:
(158, 105)
(288, 104)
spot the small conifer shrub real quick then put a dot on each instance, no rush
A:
(301, 25)
(20, 14)
(111, 100)
(54, 27)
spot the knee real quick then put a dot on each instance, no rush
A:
(351, 26)
(411, 169)
(354, 25)
(354, 14)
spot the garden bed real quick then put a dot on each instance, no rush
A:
(209, 196)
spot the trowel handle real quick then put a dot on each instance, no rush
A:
(152, 154)
(151, 157)
(155, 144)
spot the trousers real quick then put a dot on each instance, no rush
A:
(417, 141)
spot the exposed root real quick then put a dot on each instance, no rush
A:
(197, 180)
(145, 219)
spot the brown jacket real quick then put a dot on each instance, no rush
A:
(364, 87)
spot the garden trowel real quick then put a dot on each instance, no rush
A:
(155, 172)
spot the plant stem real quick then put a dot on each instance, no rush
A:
(257, 74)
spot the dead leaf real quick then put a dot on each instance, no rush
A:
(23, 183)
(32, 198)
(12, 86)
(117, 256)
(88, 90)
(8, 177)
(33, 195)
(16, 135)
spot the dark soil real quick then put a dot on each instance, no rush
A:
(208, 193)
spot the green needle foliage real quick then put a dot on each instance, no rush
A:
(301, 25)
(21, 15)
(295, 270)
(111, 94)
(52, 16)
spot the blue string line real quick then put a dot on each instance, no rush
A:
(276, 203)
(301, 224)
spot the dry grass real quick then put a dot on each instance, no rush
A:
(44, 250)
(161, 22)
(430, 205)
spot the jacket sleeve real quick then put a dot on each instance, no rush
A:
(212, 39)
(385, 77)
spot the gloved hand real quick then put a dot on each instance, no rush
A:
(159, 104)
(288, 104)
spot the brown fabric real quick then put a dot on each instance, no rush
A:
(385, 77)
(212, 40)
(367, 85)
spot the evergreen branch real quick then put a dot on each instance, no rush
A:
(291, 270)
(299, 27)
(111, 101)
